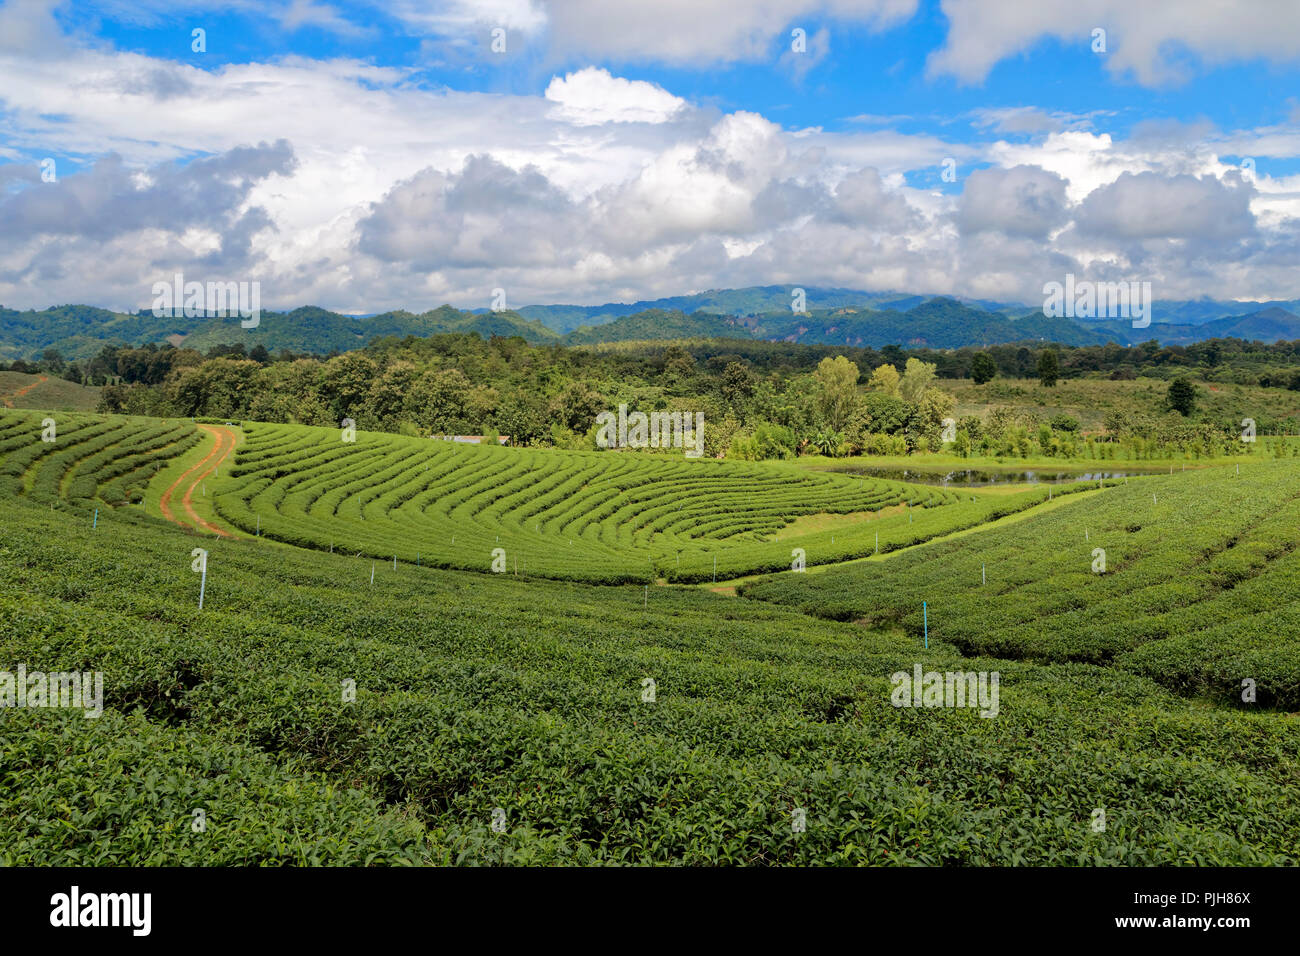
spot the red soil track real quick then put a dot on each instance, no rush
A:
(9, 401)
(225, 444)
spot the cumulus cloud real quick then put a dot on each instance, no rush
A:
(110, 200)
(485, 216)
(1151, 40)
(862, 199)
(393, 194)
(104, 235)
(592, 96)
(1025, 201)
(1151, 206)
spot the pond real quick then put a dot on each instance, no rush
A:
(973, 478)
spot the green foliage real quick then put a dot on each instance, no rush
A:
(480, 691)
(982, 368)
(837, 391)
(1182, 396)
(605, 516)
(1198, 593)
(1048, 367)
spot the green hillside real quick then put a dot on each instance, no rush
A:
(834, 317)
(596, 516)
(481, 697)
(79, 332)
(1196, 588)
(19, 390)
(936, 323)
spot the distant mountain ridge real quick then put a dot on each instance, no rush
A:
(831, 317)
(754, 300)
(936, 323)
(749, 301)
(80, 331)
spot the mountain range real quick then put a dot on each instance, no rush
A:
(831, 317)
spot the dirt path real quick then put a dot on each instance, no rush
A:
(225, 444)
(9, 401)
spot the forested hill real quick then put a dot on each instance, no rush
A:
(936, 323)
(80, 332)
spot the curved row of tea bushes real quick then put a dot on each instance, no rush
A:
(596, 517)
(476, 692)
(92, 459)
(1200, 588)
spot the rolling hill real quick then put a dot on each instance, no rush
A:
(332, 708)
(80, 331)
(936, 323)
(840, 317)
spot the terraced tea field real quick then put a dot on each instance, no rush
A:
(480, 693)
(599, 517)
(86, 459)
(1200, 588)
(339, 708)
(18, 390)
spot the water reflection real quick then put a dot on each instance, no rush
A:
(974, 478)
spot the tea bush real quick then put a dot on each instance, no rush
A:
(1200, 591)
(476, 692)
(596, 517)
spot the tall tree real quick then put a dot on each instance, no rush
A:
(1049, 367)
(982, 368)
(885, 380)
(917, 376)
(837, 390)
(1182, 396)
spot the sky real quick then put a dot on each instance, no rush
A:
(364, 156)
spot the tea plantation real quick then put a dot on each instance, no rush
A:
(601, 517)
(333, 708)
(86, 458)
(1200, 588)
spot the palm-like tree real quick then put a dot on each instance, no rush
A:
(827, 441)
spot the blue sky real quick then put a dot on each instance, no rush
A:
(366, 155)
(872, 72)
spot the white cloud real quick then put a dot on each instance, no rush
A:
(1017, 119)
(1022, 201)
(1151, 39)
(466, 16)
(592, 96)
(322, 16)
(1150, 206)
(604, 187)
(696, 32)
